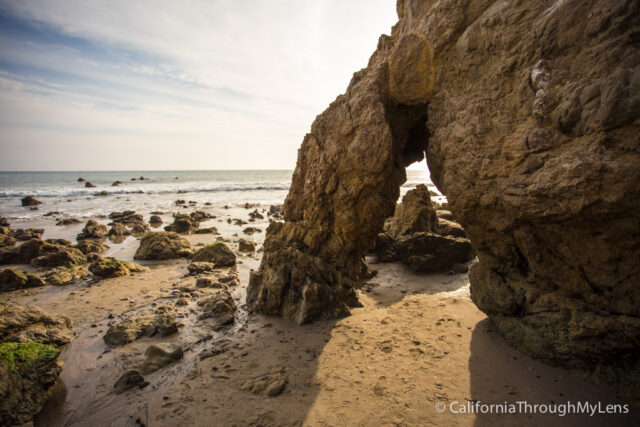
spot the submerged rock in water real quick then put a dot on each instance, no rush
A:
(162, 323)
(217, 253)
(157, 357)
(11, 279)
(163, 245)
(89, 246)
(183, 224)
(30, 201)
(93, 230)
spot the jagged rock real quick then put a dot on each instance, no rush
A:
(445, 214)
(93, 230)
(271, 384)
(67, 221)
(246, 246)
(11, 279)
(27, 234)
(162, 323)
(61, 242)
(19, 323)
(275, 211)
(89, 246)
(416, 213)
(200, 216)
(59, 255)
(65, 275)
(534, 144)
(163, 245)
(30, 201)
(118, 230)
(256, 215)
(131, 378)
(6, 241)
(220, 307)
(449, 228)
(27, 373)
(217, 253)
(109, 267)
(183, 224)
(196, 268)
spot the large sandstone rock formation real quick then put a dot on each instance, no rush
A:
(528, 112)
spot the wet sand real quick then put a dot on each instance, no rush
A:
(417, 340)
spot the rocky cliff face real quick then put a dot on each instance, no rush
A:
(528, 112)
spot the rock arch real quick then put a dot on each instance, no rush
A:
(529, 113)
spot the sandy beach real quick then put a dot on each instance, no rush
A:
(417, 340)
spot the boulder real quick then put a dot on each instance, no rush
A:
(93, 230)
(6, 241)
(61, 242)
(251, 230)
(196, 268)
(155, 221)
(217, 253)
(64, 275)
(129, 379)
(27, 373)
(81, 179)
(209, 230)
(41, 254)
(19, 323)
(156, 357)
(246, 246)
(162, 323)
(30, 201)
(88, 246)
(275, 212)
(67, 221)
(11, 279)
(118, 230)
(256, 215)
(27, 234)
(161, 245)
(219, 307)
(200, 216)
(110, 267)
(116, 183)
(89, 185)
(183, 224)
(415, 214)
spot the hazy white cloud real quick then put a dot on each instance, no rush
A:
(175, 85)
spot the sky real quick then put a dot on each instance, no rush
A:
(174, 85)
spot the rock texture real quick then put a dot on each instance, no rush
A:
(11, 279)
(528, 113)
(420, 239)
(161, 323)
(163, 245)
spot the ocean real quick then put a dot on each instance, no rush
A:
(61, 192)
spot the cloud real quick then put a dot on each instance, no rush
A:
(230, 84)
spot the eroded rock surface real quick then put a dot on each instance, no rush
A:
(163, 245)
(528, 112)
